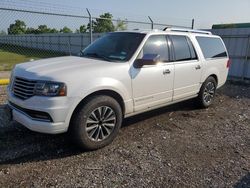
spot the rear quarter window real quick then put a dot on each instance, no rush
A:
(212, 47)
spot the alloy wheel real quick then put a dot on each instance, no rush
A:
(100, 123)
(209, 92)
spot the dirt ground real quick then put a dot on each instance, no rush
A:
(175, 146)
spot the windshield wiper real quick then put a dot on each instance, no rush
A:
(96, 55)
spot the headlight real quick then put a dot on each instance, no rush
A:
(45, 88)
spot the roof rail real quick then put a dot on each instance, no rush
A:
(187, 30)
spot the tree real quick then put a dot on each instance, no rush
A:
(83, 29)
(31, 30)
(103, 24)
(19, 27)
(121, 25)
(65, 30)
(53, 30)
(46, 29)
(43, 29)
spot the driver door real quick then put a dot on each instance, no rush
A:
(153, 84)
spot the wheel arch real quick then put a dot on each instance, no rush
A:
(211, 72)
(215, 77)
(106, 92)
(210, 75)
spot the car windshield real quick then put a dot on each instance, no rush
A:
(117, 47)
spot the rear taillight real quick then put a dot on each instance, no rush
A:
(229, 63)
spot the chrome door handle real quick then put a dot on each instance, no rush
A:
(198, 67)
(166, 71)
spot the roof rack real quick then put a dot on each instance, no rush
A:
(187, 30)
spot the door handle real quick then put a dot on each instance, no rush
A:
(166, 71)
(198, 67)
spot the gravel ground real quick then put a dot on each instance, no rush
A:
(176, 146)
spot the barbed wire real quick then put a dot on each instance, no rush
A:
(30, 5)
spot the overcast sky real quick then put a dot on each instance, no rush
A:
(179, 12)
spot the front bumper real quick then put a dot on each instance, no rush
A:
(38, 126)
(60, 110)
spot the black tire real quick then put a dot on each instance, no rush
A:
(95, 108)
(207, 92)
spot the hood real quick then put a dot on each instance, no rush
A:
(60, 67)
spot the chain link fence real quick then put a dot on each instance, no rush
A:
(29, 35)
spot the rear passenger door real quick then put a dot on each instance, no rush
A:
(187, 67)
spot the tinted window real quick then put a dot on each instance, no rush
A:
(157, 44)
(212, 47)
(183, 48)
(114, 46)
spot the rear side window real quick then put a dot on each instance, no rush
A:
(212, 47)
(183, 48)
(157, 44)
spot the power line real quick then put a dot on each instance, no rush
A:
(39, 6)
(54, 6)
(59, 10)
(78, 16)
(45, 13)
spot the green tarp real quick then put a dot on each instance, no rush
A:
(233, 25)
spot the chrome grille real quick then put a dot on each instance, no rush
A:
(23, 88)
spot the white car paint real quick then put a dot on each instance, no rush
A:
(140, 89)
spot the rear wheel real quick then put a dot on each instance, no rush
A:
(96, 123)
(207, 92)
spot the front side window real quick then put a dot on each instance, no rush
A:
(212, 47)
(182, 48)
(157, 45)
(118, 46)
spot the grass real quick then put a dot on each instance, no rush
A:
(11, 55)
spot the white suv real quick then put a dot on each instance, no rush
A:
(119, 75)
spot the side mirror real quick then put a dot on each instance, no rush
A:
(147, 59)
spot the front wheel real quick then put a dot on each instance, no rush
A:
(207, 92)
(96, 123)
